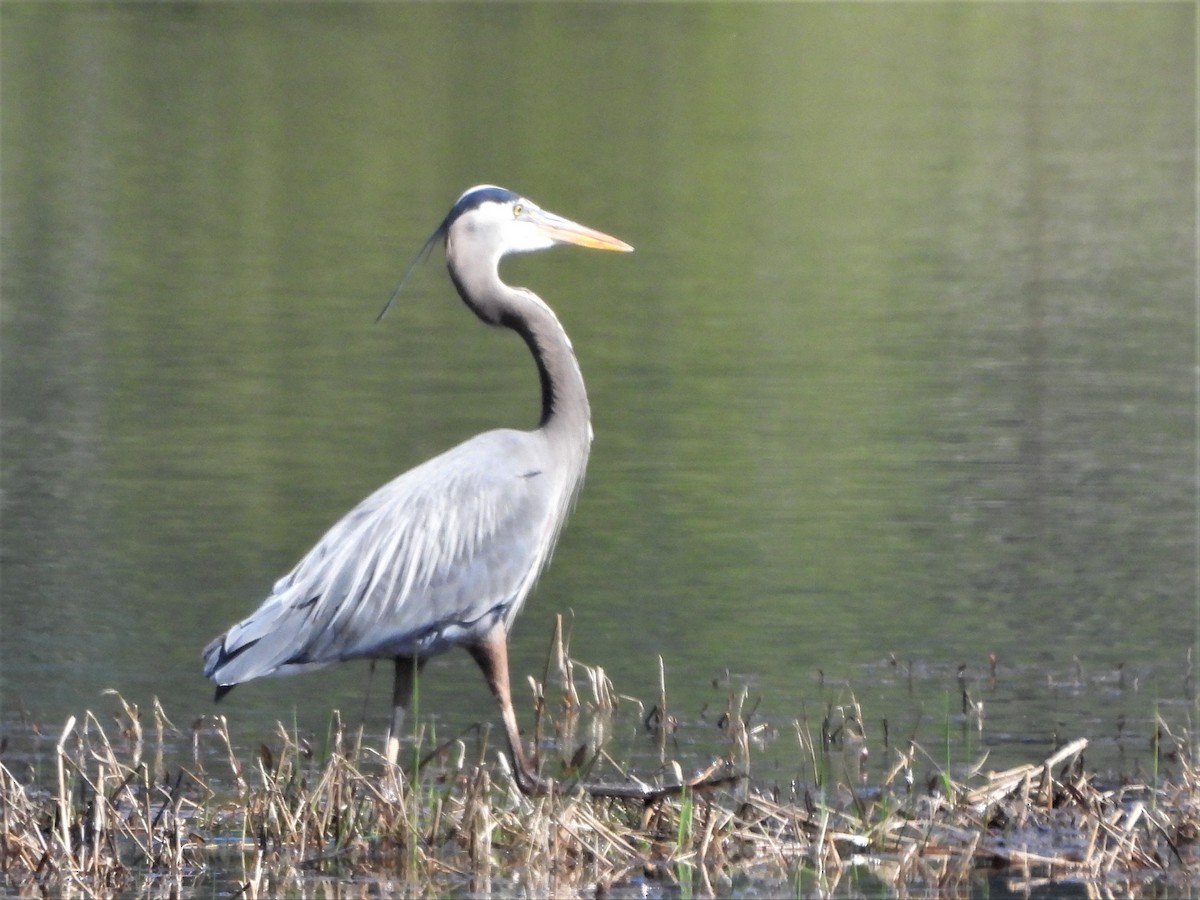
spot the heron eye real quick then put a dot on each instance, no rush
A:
(518, 210)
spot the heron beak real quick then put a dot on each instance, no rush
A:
(565, 231)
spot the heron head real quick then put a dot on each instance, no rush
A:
(494, 222)
(500, 222)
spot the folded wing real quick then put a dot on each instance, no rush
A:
(430, 560)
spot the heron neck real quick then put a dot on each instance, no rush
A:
(566, 412)
(564, 397)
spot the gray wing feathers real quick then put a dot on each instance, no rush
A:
(446, 548)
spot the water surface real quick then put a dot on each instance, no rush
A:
(901, 375)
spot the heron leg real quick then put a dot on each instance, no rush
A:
(491, 654)
(407, 668)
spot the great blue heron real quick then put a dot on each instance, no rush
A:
(445, 554)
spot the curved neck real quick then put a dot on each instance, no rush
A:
(565, 408)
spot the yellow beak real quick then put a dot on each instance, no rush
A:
(559, 229)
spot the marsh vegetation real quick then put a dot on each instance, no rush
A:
(135, 801)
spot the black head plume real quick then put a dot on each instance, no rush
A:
(471, 199)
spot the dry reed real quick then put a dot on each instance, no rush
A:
(119, 814)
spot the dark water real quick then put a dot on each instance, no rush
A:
(904, 365)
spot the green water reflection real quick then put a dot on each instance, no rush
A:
(904, 362)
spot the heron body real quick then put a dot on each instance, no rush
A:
(445, 554)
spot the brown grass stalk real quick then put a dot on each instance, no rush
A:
(282, 817)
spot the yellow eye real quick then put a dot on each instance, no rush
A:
(518, 210)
